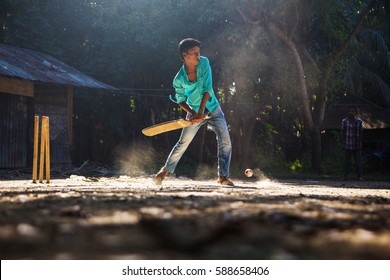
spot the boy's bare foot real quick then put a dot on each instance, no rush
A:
(223, 180)
(159, 177)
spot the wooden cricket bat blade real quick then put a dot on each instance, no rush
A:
(165, 127)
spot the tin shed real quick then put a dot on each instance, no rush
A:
(34, 83)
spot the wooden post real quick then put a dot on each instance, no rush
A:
(47, 148)
(44, 160)
(42, 151)
(35, 148)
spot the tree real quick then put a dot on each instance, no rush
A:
(367, 69)
(292, 31)
(275, 63)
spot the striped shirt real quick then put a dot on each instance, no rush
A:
(352, 131)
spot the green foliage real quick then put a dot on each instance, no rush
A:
(296, 166)
(367, 72)
(133, 44)
(332, 164)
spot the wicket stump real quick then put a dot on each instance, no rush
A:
(44, 161)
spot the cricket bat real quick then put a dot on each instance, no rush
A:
(168, 126)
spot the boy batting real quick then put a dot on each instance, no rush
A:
(195, 95)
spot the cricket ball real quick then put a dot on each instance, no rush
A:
(248, 172)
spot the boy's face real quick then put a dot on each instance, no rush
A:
(351, 113)
(192, 56)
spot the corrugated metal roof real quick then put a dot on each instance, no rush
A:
(39, 67)
(373, 117)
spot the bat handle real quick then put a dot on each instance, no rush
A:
(207, 116)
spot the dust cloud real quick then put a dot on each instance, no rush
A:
(136, 159)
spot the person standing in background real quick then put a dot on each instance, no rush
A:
(352, 137)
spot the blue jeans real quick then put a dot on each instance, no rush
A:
(218, 124)
(357, 154)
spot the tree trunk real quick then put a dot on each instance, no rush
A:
(315, 137)
(310, 125)
(246, 141)
(301, 75)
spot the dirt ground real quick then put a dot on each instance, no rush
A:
(123, 217)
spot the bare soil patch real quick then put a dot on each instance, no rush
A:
(124, 217)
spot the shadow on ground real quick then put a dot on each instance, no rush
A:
(130, 218)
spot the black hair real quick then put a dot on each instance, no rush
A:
(187, 44)
(353, 107)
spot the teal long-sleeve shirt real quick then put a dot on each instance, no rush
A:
(192, 91)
